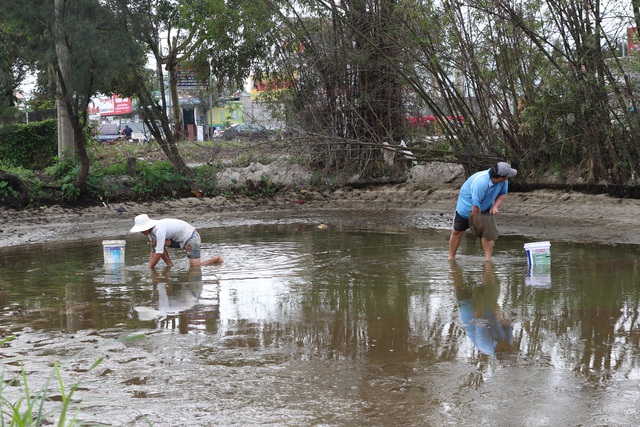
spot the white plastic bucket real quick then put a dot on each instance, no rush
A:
(538, 252)
(113, 251)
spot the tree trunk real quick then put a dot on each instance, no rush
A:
(170, 148)
(178, 131)
(83, 158)
(66, 147)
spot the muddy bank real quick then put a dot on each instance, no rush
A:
(542, 214)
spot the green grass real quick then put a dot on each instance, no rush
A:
(29, 409)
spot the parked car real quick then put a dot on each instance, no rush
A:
(107, 132)
(246, 130)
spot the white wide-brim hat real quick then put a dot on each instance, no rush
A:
(143, 223)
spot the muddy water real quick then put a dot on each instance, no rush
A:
(336, 327)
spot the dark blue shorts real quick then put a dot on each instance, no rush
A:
(460, 223)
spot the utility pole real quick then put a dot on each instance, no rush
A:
(66, 144)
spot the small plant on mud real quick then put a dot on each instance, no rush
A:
(205, 179)
(69, 190)
(7, 191)
(265, 187)
(20, 406)
(315, 178)
(319, 180)
(159, 176)
(18, 186)
(29, 409)
(61, 168)
(65, 172)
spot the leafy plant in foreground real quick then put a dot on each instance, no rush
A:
(29, 409)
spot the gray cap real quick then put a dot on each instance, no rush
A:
(504, 169)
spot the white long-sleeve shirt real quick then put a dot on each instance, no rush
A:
(170, 229)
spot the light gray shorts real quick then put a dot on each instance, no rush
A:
(192, 246)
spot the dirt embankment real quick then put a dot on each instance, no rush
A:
(426, 200)
(544, 214)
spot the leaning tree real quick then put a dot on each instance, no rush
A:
(95, 48)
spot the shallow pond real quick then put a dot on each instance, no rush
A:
(329, 327)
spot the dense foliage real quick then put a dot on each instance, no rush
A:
(541, 84)
(545, 85)
(31, 146)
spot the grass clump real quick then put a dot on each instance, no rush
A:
(29, 409)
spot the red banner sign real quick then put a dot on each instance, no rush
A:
(112, 106)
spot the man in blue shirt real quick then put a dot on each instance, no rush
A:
(127, 131)
(483, 192)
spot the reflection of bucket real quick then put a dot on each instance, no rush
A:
(538, 276)
(114, 274)
(113, 251)
(538, 252)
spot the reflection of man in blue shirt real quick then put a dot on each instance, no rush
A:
(489, 332)
(483, 192)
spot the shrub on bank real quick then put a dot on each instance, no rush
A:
(31, 145)
(138, 172)
(18, 186)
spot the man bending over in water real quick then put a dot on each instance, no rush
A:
(172, 233)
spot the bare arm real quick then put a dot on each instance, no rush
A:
(497, 203)
(155, 257)
(167, 259)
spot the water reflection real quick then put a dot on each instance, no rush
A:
(539, 276)
(176, 300)
(364, 325)
(79, 313)
(484, 321)
(342, 294)
(115, 274)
